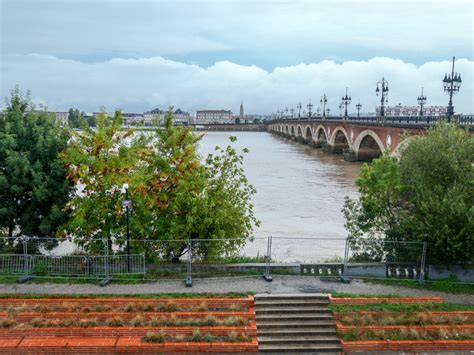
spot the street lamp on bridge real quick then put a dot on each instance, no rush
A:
(382, 89)
(341, 106)
(452, 84)
(358, 107)
(286, 112)
(318, 111)
(310, 107)
(324, 101)
(292, 111)
(421, 101)
(346, 100)
(299, 109)
(327, 111)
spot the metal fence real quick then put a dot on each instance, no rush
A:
(269, 257)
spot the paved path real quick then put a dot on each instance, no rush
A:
(281, 284)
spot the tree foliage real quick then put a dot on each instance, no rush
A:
(33, 186)
(176, 196)
(426, 195)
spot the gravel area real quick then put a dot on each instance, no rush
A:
(281, 284)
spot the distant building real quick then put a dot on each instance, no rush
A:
(242, 116)
(62, 118)
(214, 116)
(132, 119)
(157, 117)
(407, 111)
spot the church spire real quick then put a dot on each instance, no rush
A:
(241, 112)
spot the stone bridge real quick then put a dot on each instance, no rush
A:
(355, 140)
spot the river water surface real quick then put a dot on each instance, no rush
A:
(300, 190)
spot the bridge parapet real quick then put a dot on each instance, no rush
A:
(358, 138)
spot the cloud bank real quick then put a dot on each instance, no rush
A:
(140, 84)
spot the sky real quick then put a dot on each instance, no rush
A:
(137, 55)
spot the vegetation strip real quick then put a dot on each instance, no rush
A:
(164, 325)
(367, 300)
(394, 325)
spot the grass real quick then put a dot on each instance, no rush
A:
(400, 307)
(448, 285)
(406, 319)
(144, 296)
(116, 321)
(404, 334)
(152, 337)
(362, 295)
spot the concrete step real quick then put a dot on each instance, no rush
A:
(298, 302)
(298, 324)
(293, 317)
(296, 348)
(277, 332)
(299, 296)
(303, 339)
(293, 310)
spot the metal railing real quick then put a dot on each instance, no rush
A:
(205, 258)
(416, 121)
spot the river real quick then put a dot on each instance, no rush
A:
(300, 190)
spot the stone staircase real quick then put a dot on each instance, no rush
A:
(295, 323)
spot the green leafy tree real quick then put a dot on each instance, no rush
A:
(33, 186)
(426, 195)
(176, 196)
(75, 118)
(99, 163)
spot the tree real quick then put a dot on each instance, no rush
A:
(99, 163)
(75, 118)
(427, 195)
(176, 197)
(33, 186)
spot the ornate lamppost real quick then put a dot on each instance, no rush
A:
(346, 100)
(299, 109)
(358, 107)
(327, 111)
(421, 101)
(292, 111)
(452, 84)
(286, 112)
(341, 106)
(324, 101)
(310, 107)
(318, 111)
(127, 203)
(382, 89)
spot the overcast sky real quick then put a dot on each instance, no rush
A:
(137, 55)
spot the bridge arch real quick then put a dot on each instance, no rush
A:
(339, 140)
(368, 145)
(292, 131)
(320, 135)
(299, 131)
(401, 146)
(308, 134)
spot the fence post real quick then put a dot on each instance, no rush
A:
(189, 277)
(26, 264)
(344, 277)
(107, 278)
(421, 279)
(267, 275)
(25, 256)
(106, 258)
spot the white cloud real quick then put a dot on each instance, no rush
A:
(142, 84)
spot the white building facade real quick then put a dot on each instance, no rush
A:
(214, 116)
(411, 111)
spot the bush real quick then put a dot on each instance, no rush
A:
(152, 337)
(115, 322)
(209, 338)
(197, 336)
